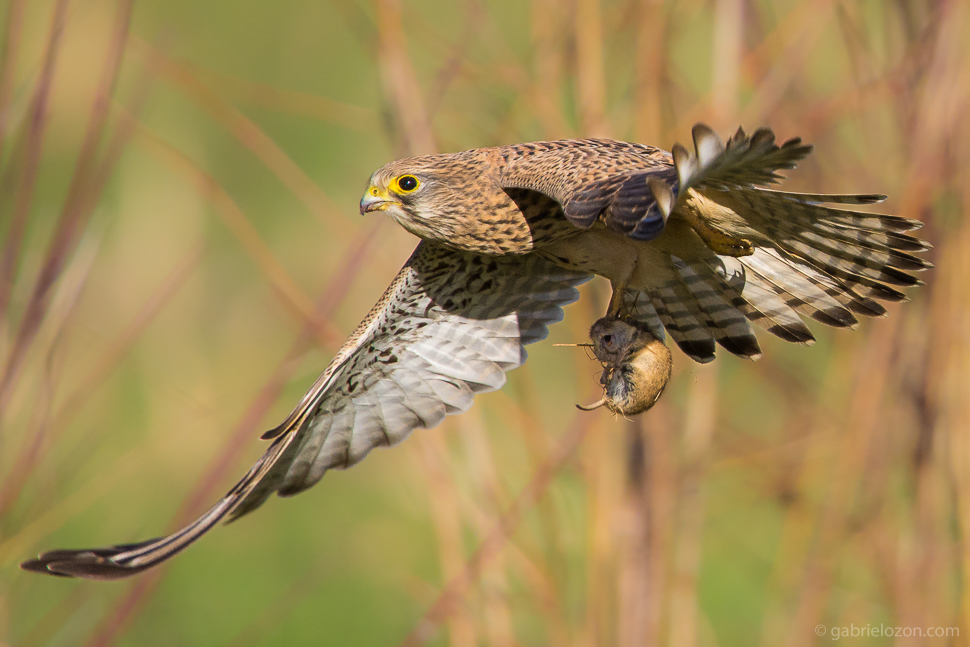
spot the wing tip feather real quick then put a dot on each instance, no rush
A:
(794, 334)
(744, 346)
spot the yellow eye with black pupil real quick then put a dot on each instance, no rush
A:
(407, 183)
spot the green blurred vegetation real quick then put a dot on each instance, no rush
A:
(211, 260)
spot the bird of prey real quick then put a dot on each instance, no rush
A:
(692, 242)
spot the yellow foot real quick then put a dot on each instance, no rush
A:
(616, 301)
(717, 240)
(721, 243)
(619, 292)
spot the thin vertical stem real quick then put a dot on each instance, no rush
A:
(590, 69)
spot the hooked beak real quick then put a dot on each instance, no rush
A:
(375, 200)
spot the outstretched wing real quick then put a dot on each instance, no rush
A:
(449, 326)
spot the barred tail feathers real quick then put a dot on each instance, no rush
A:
(860, 253)
(800, 255)
(824, 263)
(794, 271)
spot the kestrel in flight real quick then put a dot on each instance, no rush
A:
(692, 242)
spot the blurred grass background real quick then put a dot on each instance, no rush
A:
(181, 255)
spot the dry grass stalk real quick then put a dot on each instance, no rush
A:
(262, 95)
(74, 403)
(8, 63)
(246, 132)
(79, 202)
(400, 82)
(452, 594)
(26, 174)
(276, 275)
(590, 68)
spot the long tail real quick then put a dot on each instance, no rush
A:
(770, 257)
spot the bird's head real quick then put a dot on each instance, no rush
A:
(455, 199)
(426, 194)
